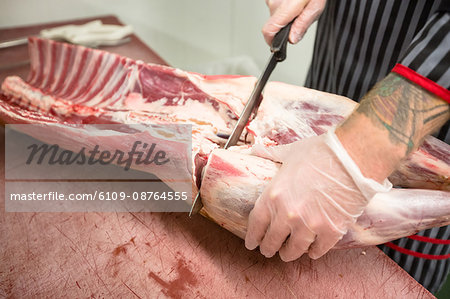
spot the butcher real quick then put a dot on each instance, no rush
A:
(394, 57)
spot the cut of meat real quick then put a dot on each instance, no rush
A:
(232, 182)
(71, 85)
(289, 113)
(100, 79)
(92, 93)
(72, 136)
(80, 85)
(428, 168)
(398, 213)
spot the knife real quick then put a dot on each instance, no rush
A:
(278, 49)
(91, 34)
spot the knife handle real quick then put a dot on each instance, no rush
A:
(279, 42)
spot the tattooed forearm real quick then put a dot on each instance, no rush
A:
(393, 118)
(407, 111)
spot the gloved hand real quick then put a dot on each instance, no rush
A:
(317, 193)
(284, 11)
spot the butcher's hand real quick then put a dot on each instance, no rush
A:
(316, 195)
(284, 11)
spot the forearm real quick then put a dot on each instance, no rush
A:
(391, 121)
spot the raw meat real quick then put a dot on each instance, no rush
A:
(232, 182)
(71, 85)
(80, 85)
(104, 80)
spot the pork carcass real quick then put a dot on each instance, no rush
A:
(71, 85)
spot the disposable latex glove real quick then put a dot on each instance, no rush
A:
(284, 11)
(317, 193)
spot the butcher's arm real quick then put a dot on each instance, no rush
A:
(411, 102)
(391, 121)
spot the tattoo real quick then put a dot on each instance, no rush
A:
(407, 111)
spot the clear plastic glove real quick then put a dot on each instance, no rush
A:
(284, 11)
(317, 193)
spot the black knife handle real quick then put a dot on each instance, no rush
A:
(279, 42)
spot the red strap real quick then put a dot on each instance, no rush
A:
(417, 254)
(429, 240)
(424, 82)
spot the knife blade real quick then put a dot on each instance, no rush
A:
(13, 42)
(278, 49)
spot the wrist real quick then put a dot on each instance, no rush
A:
(366, 185)
(369, 148)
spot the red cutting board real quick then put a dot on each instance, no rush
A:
(152, 255)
